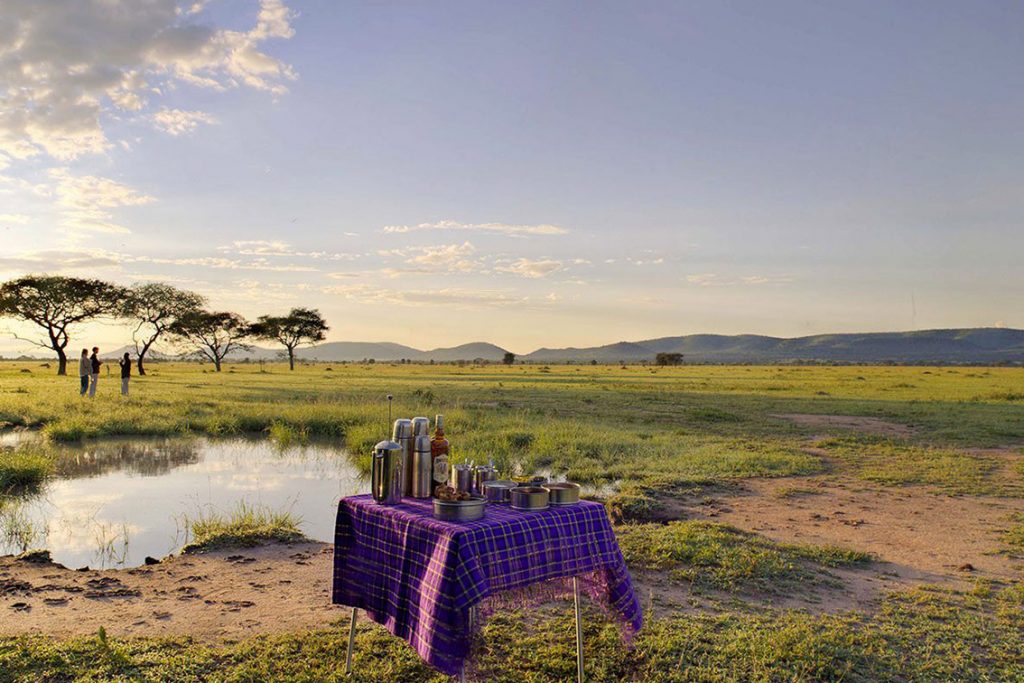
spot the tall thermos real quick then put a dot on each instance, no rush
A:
(422, 468)
(402, 435)
(386, 471)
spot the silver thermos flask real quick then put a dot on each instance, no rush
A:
(422, 467)
(386, 471)
(402, 435)
(420, 427)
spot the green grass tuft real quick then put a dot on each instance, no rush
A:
(245, 526)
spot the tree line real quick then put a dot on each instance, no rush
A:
(157, 311)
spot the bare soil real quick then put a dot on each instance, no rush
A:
(865, 425)
(222, 595)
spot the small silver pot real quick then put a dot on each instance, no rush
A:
(563, 493)
(459, 510)
(497, 491)
(529, 498)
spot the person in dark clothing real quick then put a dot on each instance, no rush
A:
(126, 373)
(95, 362)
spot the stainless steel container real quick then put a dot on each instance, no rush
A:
(420, 427)
(422, 473)
(481, 475)
(497, 491)
(529, 498)
(462, 477)
(459, 510)
(402, 435)
(563, 493)
(386, 473)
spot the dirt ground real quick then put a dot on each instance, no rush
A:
(865, 425)
(223, 595)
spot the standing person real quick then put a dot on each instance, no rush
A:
(84, 371)
(94, 363)
(126, 373)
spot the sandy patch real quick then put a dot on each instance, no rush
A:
(216, 596)
(920, 536)
(866, 425)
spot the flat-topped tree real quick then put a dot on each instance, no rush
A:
(213, 335)
(300, 326)
(155, 307)
(56, 303)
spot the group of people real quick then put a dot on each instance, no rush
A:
(89, 371)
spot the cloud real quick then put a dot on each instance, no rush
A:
(67, 64)
(55, 261)
(525, 267)
(179, 121)
(18, 218)
(449, 296)
(224, 264)
(499, 228)
(714, 280)
(442, 258)
(265, 248)
(85, 202)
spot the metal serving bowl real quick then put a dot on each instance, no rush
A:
(529, 498)
(563, 493)
(497, 491)
(459, 510)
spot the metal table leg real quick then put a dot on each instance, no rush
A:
(579, 631)
(351, 641)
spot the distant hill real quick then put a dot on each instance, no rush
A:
(976, 345)
(973, 345)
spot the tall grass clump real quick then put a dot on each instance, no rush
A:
(245, 526)
(22, 469)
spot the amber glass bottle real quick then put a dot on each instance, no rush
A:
(439, 452)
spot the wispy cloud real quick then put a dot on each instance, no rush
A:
(441, 258)
(531, 268)
(178, 121)
(498, 228)
(86, 202)
(16, 218)
(57, 261)
(457, 297)
(224, 264)
(715, 280)
(266, 248)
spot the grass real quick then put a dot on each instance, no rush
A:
(1014, 536)
(245, 526)
(916, 637)
(640, 435)
(23, 469)
(891, 462)
(722, 557)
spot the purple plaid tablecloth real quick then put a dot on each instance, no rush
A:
(419, 576)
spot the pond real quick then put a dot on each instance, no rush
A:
(113, 502)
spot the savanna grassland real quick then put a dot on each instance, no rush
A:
(788, 523)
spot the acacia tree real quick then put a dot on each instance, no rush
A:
(55, 303)
(300, 326)
(155, 307)
(212, 335)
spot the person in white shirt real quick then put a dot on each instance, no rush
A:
(84, 371)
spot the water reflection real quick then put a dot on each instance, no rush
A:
(144, 459)
(113, 502)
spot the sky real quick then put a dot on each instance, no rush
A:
(526, 173)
